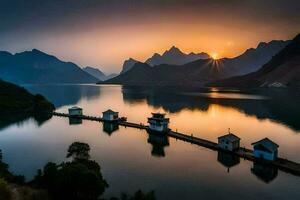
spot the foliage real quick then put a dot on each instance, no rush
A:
(5, 193)
(78, 151)
(80, 179)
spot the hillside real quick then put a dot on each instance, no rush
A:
(40, 68)
(14, 99)
(281, 71)
(201, 71)
(191, 74)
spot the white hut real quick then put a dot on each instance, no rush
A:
(158, 122)
(265, 149)
(229, 142)
(75, 111)
(110, 115)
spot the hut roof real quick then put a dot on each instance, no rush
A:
(109, 111)
(267, 143)
(231, 137)
(75, 108)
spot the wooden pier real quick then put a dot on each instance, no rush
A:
(280, 163)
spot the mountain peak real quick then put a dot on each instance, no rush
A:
(131, 60)
(36, 51)
(128, 64)
(173, 50)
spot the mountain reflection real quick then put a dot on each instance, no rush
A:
(280, 105)
(18, 119)
(62, 95)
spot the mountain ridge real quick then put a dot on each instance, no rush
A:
(281, 71)
(201, 71)
(171, 56)
(175, 56)
(36, 66)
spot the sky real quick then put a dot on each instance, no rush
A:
(103, 33)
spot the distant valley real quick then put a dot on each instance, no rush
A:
(97, 73)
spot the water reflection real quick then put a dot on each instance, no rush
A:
(278, 105)
(132, 159)
(18, 119)
(264, 173)
(75, 121)
(109, 128)
(61, 95)
(228, 160)
(158, 142)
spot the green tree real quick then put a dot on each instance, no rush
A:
(79, 151)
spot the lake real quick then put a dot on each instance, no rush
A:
(132, 160)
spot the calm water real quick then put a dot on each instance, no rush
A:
(132, 160)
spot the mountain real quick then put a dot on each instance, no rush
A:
(128, 64)
(111, 76)
(40, 68)
(175, 56)
(14, 99)
(281, 71)
(252, 59)
(95, 72)
(195, 73)
(199, 72)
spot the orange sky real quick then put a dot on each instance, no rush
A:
(104, 34)
(109, 48)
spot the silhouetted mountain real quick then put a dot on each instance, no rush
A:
(281, 71)
(252, 59)
(199, 72)
(111, 76)
(17, 104)
(128, 64)
(97, 73)
(15, 99)
(38, 67)
(174, 56)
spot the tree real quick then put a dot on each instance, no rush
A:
(79, 151)
(80, 179)
(1, 155)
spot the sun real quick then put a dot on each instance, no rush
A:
(214, 56)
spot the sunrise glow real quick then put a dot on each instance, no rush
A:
(214, 56)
